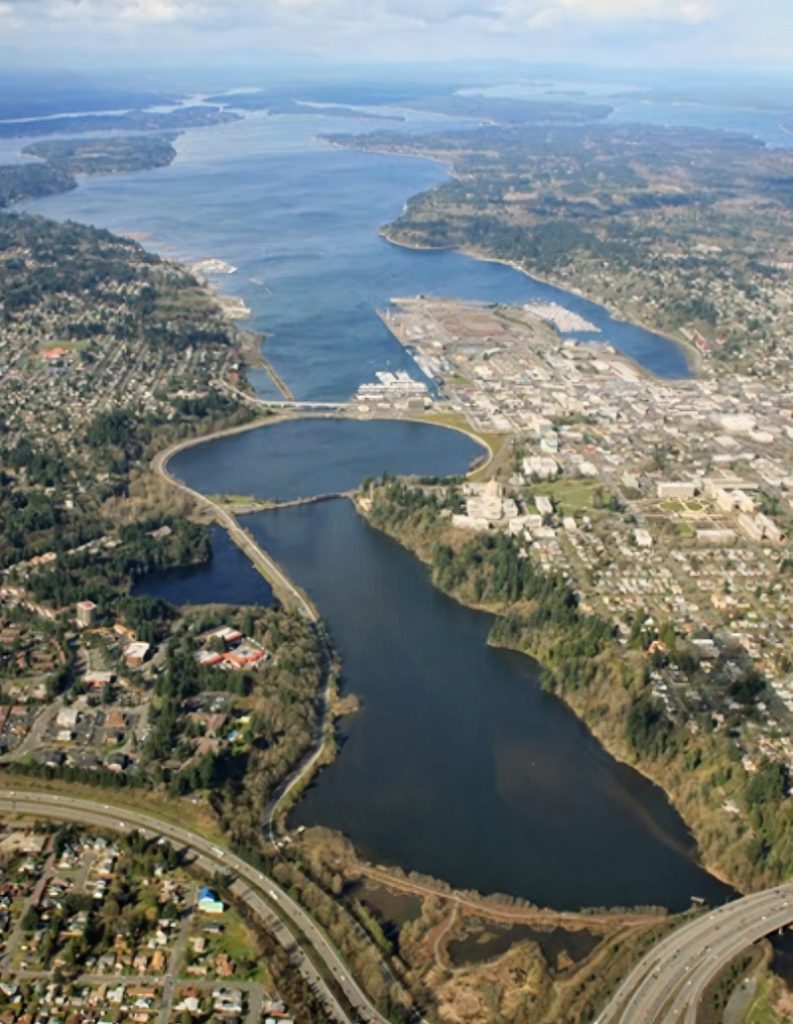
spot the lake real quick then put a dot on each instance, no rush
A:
(459, 765)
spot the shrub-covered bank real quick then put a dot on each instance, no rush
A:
(743, 822)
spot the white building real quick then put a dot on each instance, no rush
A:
(681, 489)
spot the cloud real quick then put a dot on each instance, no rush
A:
(619, 10)
(591, 30)
(340, 13)
(157, 11)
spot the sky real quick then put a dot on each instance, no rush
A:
(674, 33)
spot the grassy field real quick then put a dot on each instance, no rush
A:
(233, 499)
(240, 943)
(674, 507)
(761, 1011)
(570, 496)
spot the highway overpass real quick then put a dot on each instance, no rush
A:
(668, 986)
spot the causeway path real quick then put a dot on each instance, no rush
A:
(267, 566)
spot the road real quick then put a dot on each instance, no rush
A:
(668, 985)
(280, 403)
(284, 588)
(261, 561)
(271, 904)
(33, 739)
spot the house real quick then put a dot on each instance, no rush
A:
(228, 634)
(115, 720)
(67, 718)
(208, 902)
(681, 489)
(209, 657)
(97, 679)
(136, 653)
(85, 613)
(224, 965)
(244, 655)
(190, 1003)
(540, 467)
(544, 505)
(117, 763)
(227, 1002)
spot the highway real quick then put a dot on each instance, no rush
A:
(282, 915)
(668, 985)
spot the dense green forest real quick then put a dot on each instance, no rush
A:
(32, 181)
(105, 156)
(60, 159)
(504, 110)
(676, 227)
(132, 121)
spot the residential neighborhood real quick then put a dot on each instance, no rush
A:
(102, 929)
(669, 501)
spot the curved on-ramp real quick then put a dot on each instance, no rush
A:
(668, 985)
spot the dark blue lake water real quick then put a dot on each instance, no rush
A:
(458, 765)
(229, 578)
(301, 458)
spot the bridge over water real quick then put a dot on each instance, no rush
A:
(669, 984)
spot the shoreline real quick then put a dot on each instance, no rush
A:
(260, 559)
(614, 750)
(161, 460)
(690, 352)
(692, 356)
(325, 745)
(326, 749)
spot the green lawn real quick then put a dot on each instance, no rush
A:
(760, 1012)
(570, 496)
(239, 942)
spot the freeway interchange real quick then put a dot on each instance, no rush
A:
(271, 904)
(666, 987)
